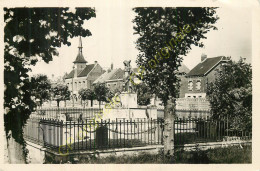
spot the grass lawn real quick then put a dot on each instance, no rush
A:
(232, 154)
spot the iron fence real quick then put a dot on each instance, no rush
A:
(89, 134)
(190, 131)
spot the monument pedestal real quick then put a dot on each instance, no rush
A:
(128, 100)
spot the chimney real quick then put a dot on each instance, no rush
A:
(203, 57)
(112, 66)
(95, 62)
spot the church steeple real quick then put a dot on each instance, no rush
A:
(80, 45)
(80, 58)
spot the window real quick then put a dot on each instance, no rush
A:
(198, 85)
(190, 85)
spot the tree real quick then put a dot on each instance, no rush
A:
(32, 34)
(165, 36)
(112, 93)
(87, 94)
(40, 88)
(101, 92)
(143, 94)
(230, 95)
(60, 93)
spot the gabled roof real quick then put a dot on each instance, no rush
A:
(112, 75)
(83, 73)
(206, 66)
(119, 74)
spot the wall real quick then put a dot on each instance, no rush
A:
(115, 85)
(212, 75)
(94, 74)
(131, 113)
(36, 153)
(183, 86)
(192, 104)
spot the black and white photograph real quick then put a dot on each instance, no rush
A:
(129, 83)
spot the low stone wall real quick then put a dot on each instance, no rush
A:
(36, 153)
(154, 149)
(192, 104)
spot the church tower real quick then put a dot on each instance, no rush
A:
(80, 62)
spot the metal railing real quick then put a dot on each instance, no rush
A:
(190, 131)
(121, 133)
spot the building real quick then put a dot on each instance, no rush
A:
(194, 85)
(83, 75)
(112, 78)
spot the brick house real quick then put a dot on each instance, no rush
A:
(194, 85)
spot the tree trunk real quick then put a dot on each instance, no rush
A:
(91, 101)
(169, 113)
(65, 103)
(14, 152)
(99, 104)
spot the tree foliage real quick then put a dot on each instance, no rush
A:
(157, 27)
(41, 88)
(101, 92)
(143, 94)
(87, 94)
(230, 95)
(32, 34)
(60, 92)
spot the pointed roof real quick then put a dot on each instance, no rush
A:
(80, 58)
(204, 67)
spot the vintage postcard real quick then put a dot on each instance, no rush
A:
(168, 83)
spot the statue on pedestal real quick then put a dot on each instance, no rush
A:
(128, 73)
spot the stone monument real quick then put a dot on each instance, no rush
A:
(125, 104)
(128, 97)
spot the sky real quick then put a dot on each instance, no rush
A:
(112, 40)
